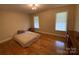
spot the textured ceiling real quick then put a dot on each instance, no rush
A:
(26, 8)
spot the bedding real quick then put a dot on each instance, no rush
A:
(27, 38)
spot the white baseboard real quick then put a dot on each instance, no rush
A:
(52, 34)
(7, 39)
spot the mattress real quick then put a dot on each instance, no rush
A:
(27, 38)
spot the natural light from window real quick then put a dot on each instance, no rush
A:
(36, 22)
(61, 21)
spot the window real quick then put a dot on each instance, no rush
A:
(36, 22)
(61, 21)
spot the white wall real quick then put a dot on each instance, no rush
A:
(77, 19)
(47, 19)
(11, 22)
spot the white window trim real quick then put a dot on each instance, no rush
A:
(66, 21)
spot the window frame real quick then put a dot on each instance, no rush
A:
(66, 21)
(34, 20)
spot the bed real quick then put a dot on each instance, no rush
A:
(27, 38)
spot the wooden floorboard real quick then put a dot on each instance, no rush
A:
(45, 45)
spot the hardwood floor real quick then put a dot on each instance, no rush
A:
(45, 45)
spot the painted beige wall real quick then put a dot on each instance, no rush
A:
(11, 22)
(77, 19)
(47, 19)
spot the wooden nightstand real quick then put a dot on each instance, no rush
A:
(32, 29)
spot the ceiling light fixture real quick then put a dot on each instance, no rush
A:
(34, 6)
